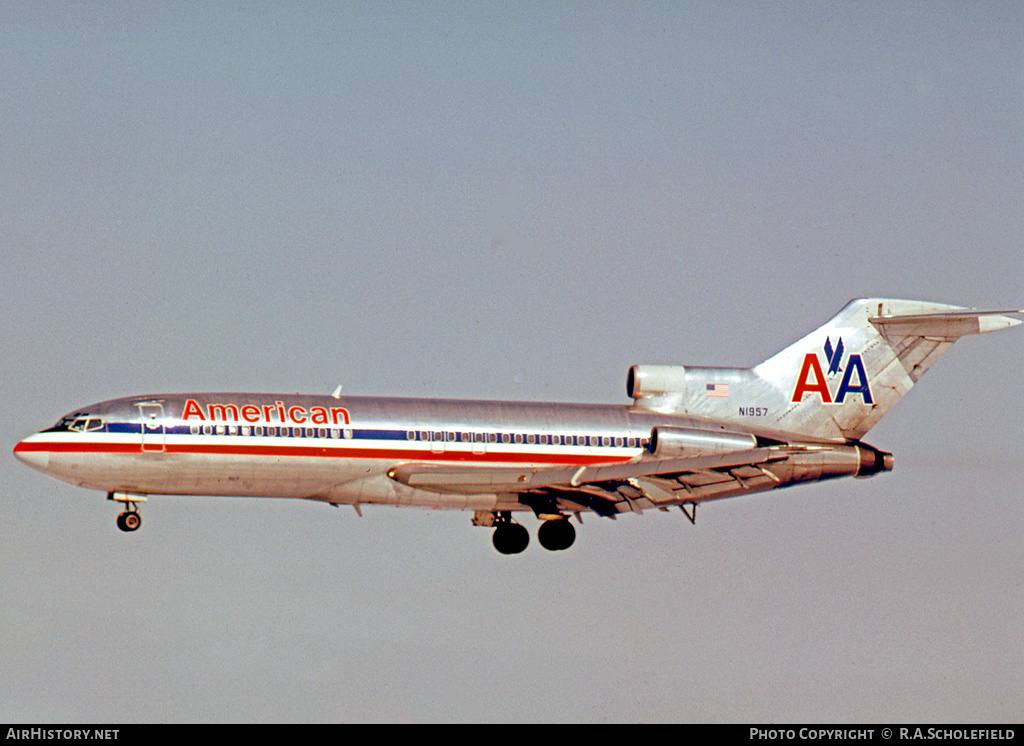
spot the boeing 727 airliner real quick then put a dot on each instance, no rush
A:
(691, 435)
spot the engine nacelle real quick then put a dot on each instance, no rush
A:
(648, 381)
(682, 442)
(872, 461)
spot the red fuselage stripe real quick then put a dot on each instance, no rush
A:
(317, 452)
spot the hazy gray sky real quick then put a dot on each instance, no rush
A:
(509, 201)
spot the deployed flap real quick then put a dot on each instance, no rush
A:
(472, 480)
(650, 483)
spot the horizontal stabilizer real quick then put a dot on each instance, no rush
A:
(948, 326)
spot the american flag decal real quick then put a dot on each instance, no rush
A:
(718, 390)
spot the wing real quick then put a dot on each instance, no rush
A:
(609, 490)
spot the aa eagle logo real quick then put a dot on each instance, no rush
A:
(813, 379)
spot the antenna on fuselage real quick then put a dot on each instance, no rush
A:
(337, 392)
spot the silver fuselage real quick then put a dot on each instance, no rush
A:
(328, 449)
(692, 434)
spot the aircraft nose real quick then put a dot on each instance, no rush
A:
(29, 451)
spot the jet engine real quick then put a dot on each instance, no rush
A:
(681, 442)
(648, 381)
(872, 461)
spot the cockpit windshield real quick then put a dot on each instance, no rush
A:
(79, 422)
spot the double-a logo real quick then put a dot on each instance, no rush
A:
(812, 378)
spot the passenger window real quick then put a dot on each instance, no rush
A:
(519, 437)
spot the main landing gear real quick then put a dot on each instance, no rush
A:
(510, 538)
(129, 520)
(554, 534)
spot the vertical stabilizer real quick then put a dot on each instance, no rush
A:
(840, 379)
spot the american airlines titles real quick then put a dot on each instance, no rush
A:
(253, 413)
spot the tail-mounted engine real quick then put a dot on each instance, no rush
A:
(645, 381)
(659, 387)
(683, 442)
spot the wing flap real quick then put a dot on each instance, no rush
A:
(476, 480)
(607, 490)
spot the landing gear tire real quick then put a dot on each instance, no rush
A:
(556, 535)
(129, 521)
(510, 538)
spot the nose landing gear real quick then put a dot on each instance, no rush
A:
(129, 520)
